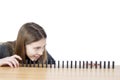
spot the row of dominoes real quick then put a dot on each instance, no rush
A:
(73, 64)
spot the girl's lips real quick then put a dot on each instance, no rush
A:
(36, 56)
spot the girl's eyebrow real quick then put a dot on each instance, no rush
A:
(37, 47)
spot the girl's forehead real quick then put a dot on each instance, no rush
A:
(41, 42)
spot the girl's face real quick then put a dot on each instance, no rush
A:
(34, 50)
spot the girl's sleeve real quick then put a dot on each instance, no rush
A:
(4, 52)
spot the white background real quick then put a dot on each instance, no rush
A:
(76, 29)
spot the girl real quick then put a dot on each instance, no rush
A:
(30, 45)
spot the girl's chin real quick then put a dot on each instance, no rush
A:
(33, 59)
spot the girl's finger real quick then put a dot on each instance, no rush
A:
(9, 64)
(17, 57)
(12, 61)
(17, 63)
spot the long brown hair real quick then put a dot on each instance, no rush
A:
(28, 33)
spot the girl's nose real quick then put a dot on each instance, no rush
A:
(40, 53)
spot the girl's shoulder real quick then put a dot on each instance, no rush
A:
(6, 48)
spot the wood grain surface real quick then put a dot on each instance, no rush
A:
(35, 73)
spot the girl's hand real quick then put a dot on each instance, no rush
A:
(10, 61)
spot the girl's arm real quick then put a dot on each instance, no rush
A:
(6, 58)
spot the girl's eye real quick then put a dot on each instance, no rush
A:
(37, 47)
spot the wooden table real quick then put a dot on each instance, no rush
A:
(35, 73)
